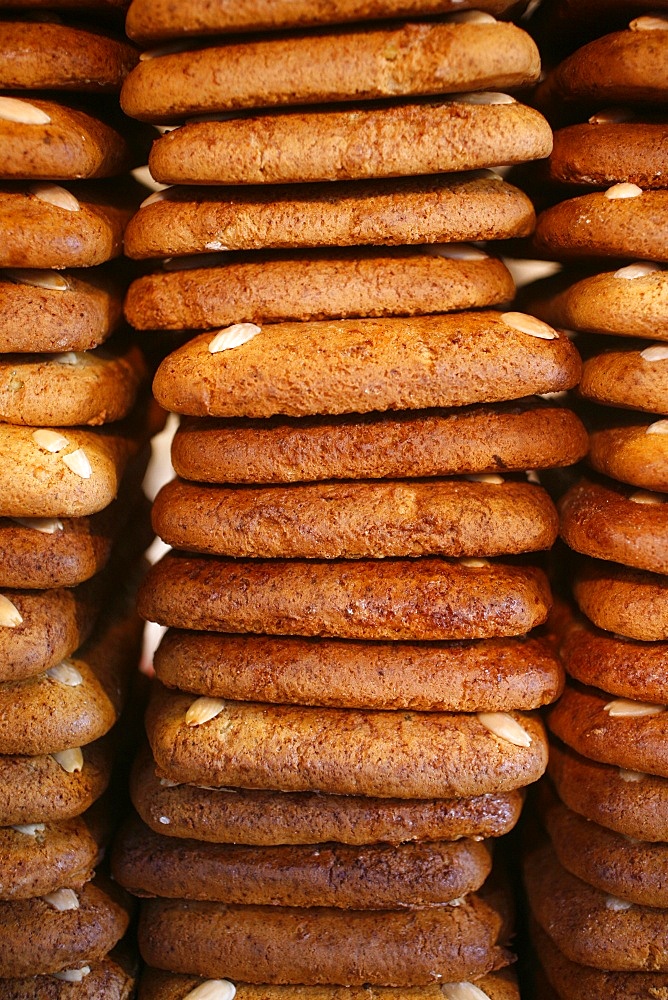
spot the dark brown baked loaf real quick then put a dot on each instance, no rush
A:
(631, 602)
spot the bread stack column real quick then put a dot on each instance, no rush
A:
(343, 707)
(71, 466)
(598, 894)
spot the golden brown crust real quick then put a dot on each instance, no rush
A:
(361, 599)
(478, 439)
(416, 58)
(632, 602)
(62, 854)
(601, 154)
(626, 378)
(341, 751)
(363, 365)
(334, 284)
(633, 454)
(619, 67)
(405, 210)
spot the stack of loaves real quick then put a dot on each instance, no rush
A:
(342, 716)
(64, 667)
(599, 893)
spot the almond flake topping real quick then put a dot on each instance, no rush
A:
(470, 17)
(62, 899)
(72, 975)
(622, 708)
(505, 727)
(658, 427)
(611, 116)
(630, 776)
(463, 991)
(623, 190)
(649, 22)
(47, 525)
(30, 829)
(39, 279)
(213, 989)
(65, 358)
(153, 198)
(617, 905)
(50, 441)
(486, 477)
(643, 496)
(203, 710)
(165, 820)
(65, 673)
(10, 616)
(473, 563)
(455, 251)
(14, 110)
(529, 324)
(70, 760)
(56, 195)
(168, 783)
(77, 462)
(233, 336)
(638, 270)
(657, 352)
(481, 97)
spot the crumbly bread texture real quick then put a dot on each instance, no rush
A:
(264, 818)
(333, 284)
(630, 602)
(406, 210)
(349, 145)
(428, 598)
(477, 439)
(56, 854)
(633, 453)
(628, 377)
(363, 365)
(605, 729)
(420, 58)
(342, 751)
(604, 153)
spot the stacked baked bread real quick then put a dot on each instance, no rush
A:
(342, 716)
(72, 447)
(598, 893)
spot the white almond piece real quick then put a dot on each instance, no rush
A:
(70, 760)
(168, 783)
(10, 616)
(630, 776)
(14, 110)
(55, 195)
(215, 245)
(165, 50)
(640, 269)
(623, 708)
(153, 198)
(203, 710)
(533, 477)
(213, 989)
(65, 673)
(470, 17)
(65, 358)
(649, 22)
(77, 462)
(463, 991)
(72, 975)
(39, 279)
(505, 727)
(658, 427)
(624, 190)
(30, 829)
(62, 899)
(472, 563)
(47, 525)
(643, 496)
(487, 174)
(165, 820)
(529, 324)
(456, 251)
(486, 477)
(657, 352)
(482, 97)
(611, 116)
(233, 336)
(50, 441)
(617, 905)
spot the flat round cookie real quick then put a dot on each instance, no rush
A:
(628, 377)
(357, 366)
(39, 858)
(464, 133)
(633, 803)
(632, 602)
(600, 153)
(334, 284)
(479, 439)
(361, 878)
(45, 140)
(320, 944)
(406, 210)
(360, 599)
(356, 520)
(42, 937)
(630, 302)
(71, 388)
(607, 520)
(625, 667)
(343, 751)
(483, 675)
(104, 980)
(266, 818)
(156, 20)
(68, 311)
(589, 926)
(629, 734)
(629, 870)
(32, 57)
(633, 453)
(623, 221)
(324, 68)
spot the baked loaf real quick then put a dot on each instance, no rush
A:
(106, 979)
(601, 153)
(41, 858)
(635, 453)
(631, 602)
(628, 377)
